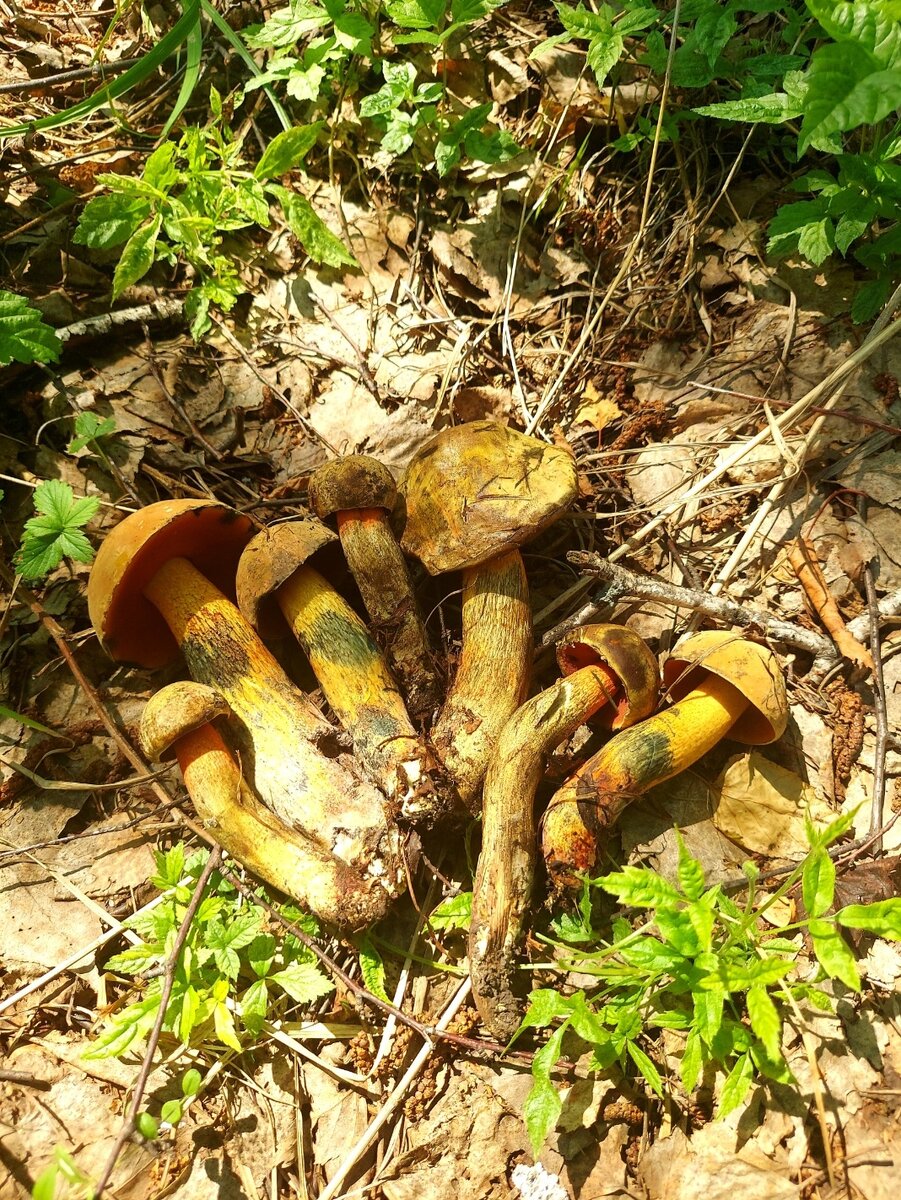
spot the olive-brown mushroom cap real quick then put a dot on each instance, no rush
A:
(478, 490)
(269, 560)
(207, 533)
(175, 710)
(355, 481)
(628, 657)
(751, 668)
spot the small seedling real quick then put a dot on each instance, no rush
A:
(57, 532)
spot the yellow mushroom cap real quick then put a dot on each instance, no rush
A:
(176, 710)
(206, 533)
(751, 668)
(355, 481)
(269, 560)
(629, 658)
(480, 489)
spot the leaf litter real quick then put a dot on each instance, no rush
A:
(373, 362)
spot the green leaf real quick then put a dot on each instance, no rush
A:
(690, 872)
(833, 953)
(160, 170)
(45, 1185)
(604, 52)
(170, 866)
(790, 223)
(738, 1081)
(739, 976)
(224, 1024)
(639, 888)
(647, 1068)
(872, 24)
(55, 534)
(692, 1061)
(190, 1082)
(416, 14)
(372, 968)
(303, 982)
(708, 1012)
(845, 89)
(765, 1019)
(883, 918)
(190, 1012)
(768, 110)
(255, 1005)
(545, 1006)
(311, 231)
(172, 1112)
(287, 150)
(678, 931)
(818, 882)
(147, 1126)
(88, 428)
(261, 952)
(137, 256)
(543, 1104)
(24, 335)
(453, 913)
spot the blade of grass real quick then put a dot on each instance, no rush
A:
(154, 58)
(244, 54)
(194, 48)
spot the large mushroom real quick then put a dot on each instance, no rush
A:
(275, 575)
(181, 721)
(474, 494)
(610, 675)
(153, 593)
(360, 493)
(724, 686)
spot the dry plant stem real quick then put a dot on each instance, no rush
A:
(303, 787)
(503, 883)
(254, 837)
(882, 730)
(381, 573)
(644, 587)
(358, 685)
(388, 1107)
(805, 564)
(581, 814)
(493, 673)
(128, 1126)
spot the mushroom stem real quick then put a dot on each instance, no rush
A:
(493, 672)
(295, 780)
(382, 575)
(358, 685)
(252, 835)
(581, 814)
(503, 883)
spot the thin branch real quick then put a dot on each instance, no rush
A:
(128, 1125)
(882, 730)
(97, 71)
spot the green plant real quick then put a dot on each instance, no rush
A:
(24, 335)
(90, 430)
(56, 532)
(698, 964)
(194, 193)
(230, 974)
(63, 1179)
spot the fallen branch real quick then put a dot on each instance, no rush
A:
(806, 566)
(103, 323)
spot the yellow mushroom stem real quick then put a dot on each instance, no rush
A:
(503, 883)
(580, 815)
(306, 789)
(359, 687)
(381, 573)
(492, 676)
(253, 836)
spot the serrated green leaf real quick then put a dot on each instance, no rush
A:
(690, 873)
(692, 1061)
(818, 882)
(54, 534)
(303, 982)
(287, 150)
(453, 913)
(137, 256)
(372, 968)
(833, 953)
(170, 866)
(871, 24)
(708, 1012)
(773, 109)
(190, 1012)
(261, 952)
(765, 1019)
(646, 1067)
(545, 1007)
(738, 1081)
(543, 1104)
(604, 52)
(639, 888)
(845, 89)
(89, 427)
(311, 231)
(224, 1025)
(24, 335)
(883, 918)
(255, 1005)
(677, 930)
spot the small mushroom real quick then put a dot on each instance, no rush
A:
(611, 676)
(723, 686)
(474, 494)
(274, 576)
(153, 592)
(360, 493)
(180, 721)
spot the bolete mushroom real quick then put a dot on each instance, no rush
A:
(609, 675)
(723, 686)
(360, 493)
(275, 575)
(180, 721)
(474, 494)
(152, 594)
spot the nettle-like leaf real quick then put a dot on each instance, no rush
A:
(311, 231)
(883, 918)
(24, 335)
(303, 982)
(56, 532)
(137, 256)
(372, 968)
(833, 953)
(639, 888)
(846, 88)
(108, 221)
(544, 1103)
(89, 428)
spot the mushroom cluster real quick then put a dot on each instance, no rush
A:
(334, 819)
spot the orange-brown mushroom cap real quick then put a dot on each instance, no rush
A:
(175, 710)
(480, 489)
(269, 560)
(752, 669)
(207, 533)
(631, 662)
(355, 481)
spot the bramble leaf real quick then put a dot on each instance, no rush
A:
(24, 335)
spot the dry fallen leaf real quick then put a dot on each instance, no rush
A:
(595, 409)
(761, 806)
